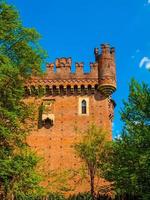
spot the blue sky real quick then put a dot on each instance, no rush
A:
(74, 27)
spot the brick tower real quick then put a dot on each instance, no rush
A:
(66, 101)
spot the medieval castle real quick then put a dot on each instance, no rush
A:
(70, 100)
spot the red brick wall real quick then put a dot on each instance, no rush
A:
(55, 145)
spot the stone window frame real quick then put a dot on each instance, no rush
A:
(80, 106)
(84, 106)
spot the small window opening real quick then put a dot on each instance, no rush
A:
(84, 107)
(75, 88)
(68, 89)
(48, 123)
(61, 87)
(82, 89)
(47, 89)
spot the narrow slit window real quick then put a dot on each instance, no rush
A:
(84, 107)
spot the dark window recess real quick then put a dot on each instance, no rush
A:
(45, 117)
(84, 107)
(48, 123)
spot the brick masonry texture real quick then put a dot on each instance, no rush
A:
(55, 143)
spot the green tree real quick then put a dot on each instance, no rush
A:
(20, 57)
(90, 149)
(128, 160)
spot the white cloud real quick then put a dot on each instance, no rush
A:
(145, 62)
(118, 135)
(147, 3)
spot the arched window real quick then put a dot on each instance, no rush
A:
(47, 89)
(48, 123)
(68, 89)
(84, 107)
(61, 88)
(75, 88)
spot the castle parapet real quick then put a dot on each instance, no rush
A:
(102, 73)
(107, 52)
(63, 69)
(63, 65)
(94, 67)
(50, 68)
(112, 52)
(79, 68)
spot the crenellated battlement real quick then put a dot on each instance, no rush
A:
(63, 62)
(106, 52)
(102, 73)
(63, 68)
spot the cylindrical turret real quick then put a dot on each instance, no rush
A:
(107, 70)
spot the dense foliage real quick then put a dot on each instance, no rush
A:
(128, 159)
(79, 196)
(20, 57)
